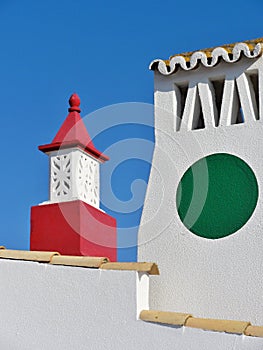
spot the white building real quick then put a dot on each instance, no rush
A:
(202, 215)
(201, 224)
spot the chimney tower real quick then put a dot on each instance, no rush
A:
(71, 221)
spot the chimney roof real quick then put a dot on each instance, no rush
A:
(73, 133)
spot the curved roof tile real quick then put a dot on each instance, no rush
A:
(230, 53)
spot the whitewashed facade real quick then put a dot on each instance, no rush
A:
(203, 108)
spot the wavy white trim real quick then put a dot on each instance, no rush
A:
(179, 61)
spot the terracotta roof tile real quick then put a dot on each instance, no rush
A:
(230, 53)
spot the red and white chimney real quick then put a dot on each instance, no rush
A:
(71, 221)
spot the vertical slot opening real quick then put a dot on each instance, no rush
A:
(237, 115)
(181, 90)
(254, 87)
(218, 89)
(198, 120)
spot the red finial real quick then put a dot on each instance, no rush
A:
(74, 103)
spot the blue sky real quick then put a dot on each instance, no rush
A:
(101, 50)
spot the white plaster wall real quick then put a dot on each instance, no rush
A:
(47, 307)
(207, 278)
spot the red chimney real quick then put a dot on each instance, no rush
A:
(71, 222)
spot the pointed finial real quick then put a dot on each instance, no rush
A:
(74, 102)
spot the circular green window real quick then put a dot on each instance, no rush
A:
(217, 195)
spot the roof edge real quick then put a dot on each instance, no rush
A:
(209, 324)
(208, 57)
(148, 267)
(54, 258)
(56, 146)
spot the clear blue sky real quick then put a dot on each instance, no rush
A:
(101, 50)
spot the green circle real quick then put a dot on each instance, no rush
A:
(217, 195)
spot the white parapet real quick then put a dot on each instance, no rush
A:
(58, 307)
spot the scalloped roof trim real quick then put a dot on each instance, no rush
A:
(208, 57)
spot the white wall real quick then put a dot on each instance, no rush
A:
(208, 278)
(47, 307)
